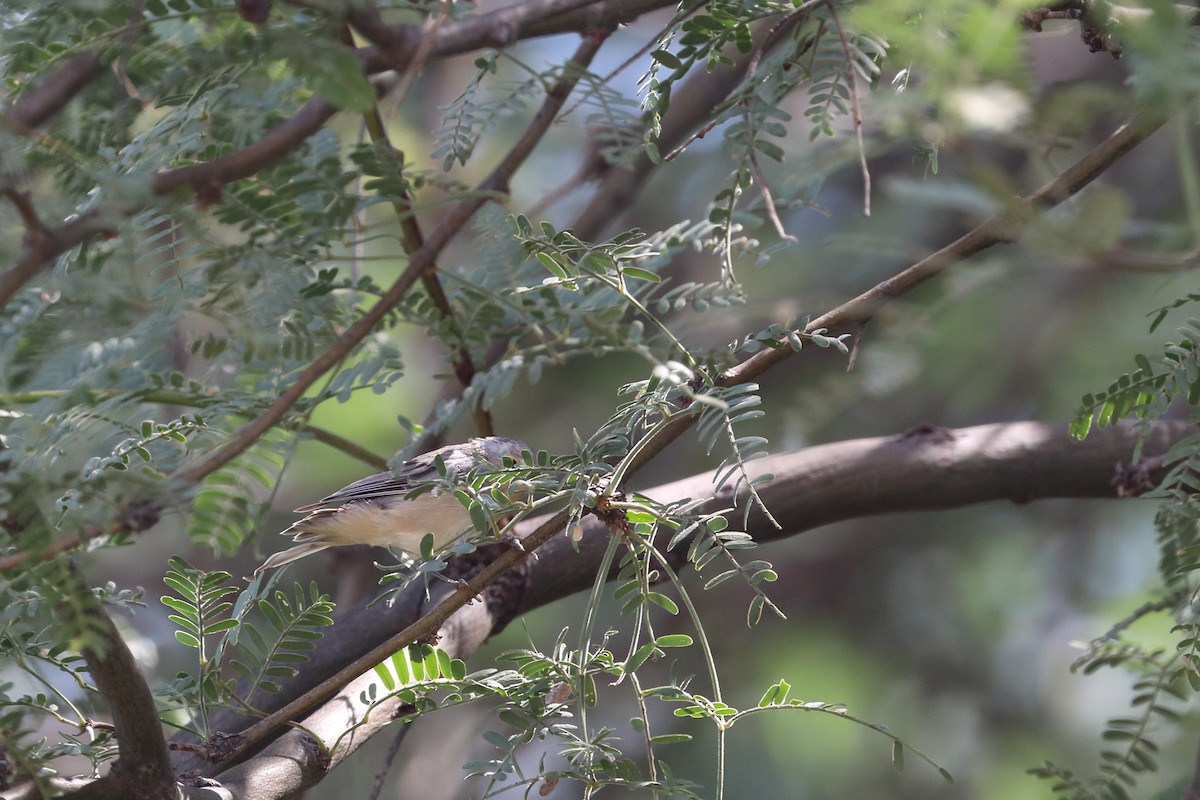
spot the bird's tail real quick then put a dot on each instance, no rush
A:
(290, 555)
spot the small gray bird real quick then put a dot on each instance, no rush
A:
(373, 510)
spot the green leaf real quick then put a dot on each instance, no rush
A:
(639, 657)
(187, 639)
(333, 72)
(666, 59)
(674, 640)
(186, 609)
(775, 695)
(223, 625)
(663, 601)
(670, 738)
(385, 676)
(641, 274)
(551, 265)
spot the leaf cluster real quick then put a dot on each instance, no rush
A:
(225, 626)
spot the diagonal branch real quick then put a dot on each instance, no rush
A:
(498, 28)
(692, 104)
(926, 468)
(421, 260)
(1003, 227)
(53, 92)
(412, 238)
(422, 629)
(277, 143)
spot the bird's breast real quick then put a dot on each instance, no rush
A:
(394, 522)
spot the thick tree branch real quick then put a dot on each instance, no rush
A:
(53, 92)
(143, 769)
(924, 469)
(1003, 227)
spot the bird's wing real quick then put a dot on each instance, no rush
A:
(388, 484)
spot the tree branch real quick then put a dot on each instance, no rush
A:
(139, 516)
(421, 260)
(274, 145)
(1003, 227)
(52, 93)
(143, 768)
(503, 26)
(927, 468)
(48, 244)
(691, 104)
(344, 683)
(412, 239)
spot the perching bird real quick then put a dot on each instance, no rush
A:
(373, 510)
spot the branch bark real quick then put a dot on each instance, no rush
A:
(143, 769)
(54, 91)
(927, 468)
(1003, 227)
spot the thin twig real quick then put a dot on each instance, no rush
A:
(423, 628)
(346, 446)
(1004, 226)
(421, 260)
(855, 108)
(388, 759)
(765, 190)
(412, 239)
(29, 216)
(413, 64)
(774, 35)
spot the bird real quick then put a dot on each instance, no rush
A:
(374, 510)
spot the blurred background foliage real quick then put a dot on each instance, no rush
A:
(956, 629)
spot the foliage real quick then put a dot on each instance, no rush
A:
(228, 640)
(241, 234)
(1147, 394)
